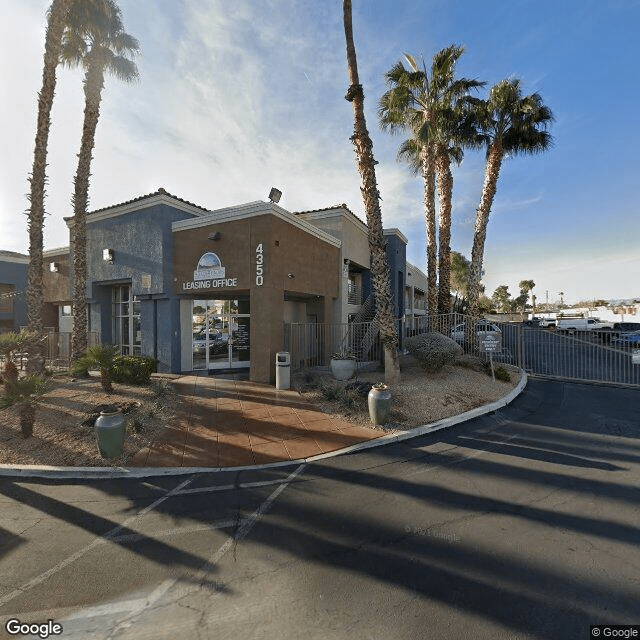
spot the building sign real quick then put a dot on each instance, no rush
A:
(259, 265)
(209, 274)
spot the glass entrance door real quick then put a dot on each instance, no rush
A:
(221, 330)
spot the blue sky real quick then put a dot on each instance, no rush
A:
(237, 97)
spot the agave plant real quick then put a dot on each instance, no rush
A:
(101, 357)
(25, 393)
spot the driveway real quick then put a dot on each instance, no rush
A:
(520, 524)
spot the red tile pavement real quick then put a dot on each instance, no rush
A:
(227, 422)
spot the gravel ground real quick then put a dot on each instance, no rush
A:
(63, 433)
(421, 397)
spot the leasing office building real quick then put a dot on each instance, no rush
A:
(199, 289)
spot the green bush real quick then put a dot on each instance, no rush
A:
(433, 350)
(502, 374)
(133, 369)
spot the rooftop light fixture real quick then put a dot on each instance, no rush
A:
(54, 267)
(275, 195)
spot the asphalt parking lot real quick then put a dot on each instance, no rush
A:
(521, 524)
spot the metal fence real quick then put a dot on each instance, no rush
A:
(601, 356)
(57, 350)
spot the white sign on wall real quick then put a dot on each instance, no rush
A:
(209, 274)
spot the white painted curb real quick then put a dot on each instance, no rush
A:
(96, 473)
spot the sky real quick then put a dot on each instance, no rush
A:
(236, 97)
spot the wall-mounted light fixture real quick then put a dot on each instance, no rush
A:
(291, 275)
(107, 255)
(216, 235)
(54, 267)
(275, 194)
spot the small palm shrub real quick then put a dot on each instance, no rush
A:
(502, 374)
(25, 393)
(9, 343)
(133, 369)
(101, 357)
(433, 350)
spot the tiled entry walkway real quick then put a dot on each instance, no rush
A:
(227, 422)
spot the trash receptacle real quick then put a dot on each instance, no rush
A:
(283, 370)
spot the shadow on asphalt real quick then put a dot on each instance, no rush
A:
(548, 437)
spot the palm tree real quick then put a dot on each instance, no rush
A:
(526, 286)
(371, 197)
(102, 357)
(35, 294)
(511, 125)
(431, 108)
(96, 40)
(25, 393)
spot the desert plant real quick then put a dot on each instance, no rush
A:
(10, 343)
(433, 350)
(343, 354)
(133, 369)
(25, 393)
(502, 374)
(101, 357)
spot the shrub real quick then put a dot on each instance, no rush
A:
(101, 357)
(433, 350)
(133, 369)
(502, 374)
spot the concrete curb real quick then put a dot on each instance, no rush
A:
(97, 473)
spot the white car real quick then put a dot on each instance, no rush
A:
(483, 328)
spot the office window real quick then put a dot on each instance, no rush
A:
(126, 321)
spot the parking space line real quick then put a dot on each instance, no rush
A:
(96, 541)
(245, 526)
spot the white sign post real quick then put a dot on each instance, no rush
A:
(490, 344)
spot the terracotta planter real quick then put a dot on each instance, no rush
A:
(379, 401)
(110, 429)
(343, 369)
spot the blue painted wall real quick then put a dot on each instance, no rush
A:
(142, 245)
(15, 273)
(397, 257)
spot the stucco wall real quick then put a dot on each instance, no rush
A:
(14, 272)
(142, 245)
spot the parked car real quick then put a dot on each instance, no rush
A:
(547, 322)
(618, 329)
(628, 340)
(533, 322)
(483, 328)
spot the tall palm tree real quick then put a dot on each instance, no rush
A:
(431, 107)
(94, 39)
(56, 19)
(510, 124)
(371, 197)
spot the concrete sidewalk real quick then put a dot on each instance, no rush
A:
(227, 422)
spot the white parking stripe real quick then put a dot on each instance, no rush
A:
(229, 487)
(97, 541)
(245, 526)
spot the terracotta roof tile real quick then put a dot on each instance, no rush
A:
(160, 191)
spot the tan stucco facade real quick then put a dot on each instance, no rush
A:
(283, 266)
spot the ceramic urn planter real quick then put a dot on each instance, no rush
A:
(379, 401)
(343, 369)
(110, 428)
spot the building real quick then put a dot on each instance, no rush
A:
(210, 290)
(13, 285)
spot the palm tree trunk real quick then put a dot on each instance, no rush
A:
(27, 413)
(445, 189)
(427, 156)
(93, 85)
(371, 197)
(35, 290)
(492, 172)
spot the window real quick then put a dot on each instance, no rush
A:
(7, 294)
(126, 321)
(67, 310)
